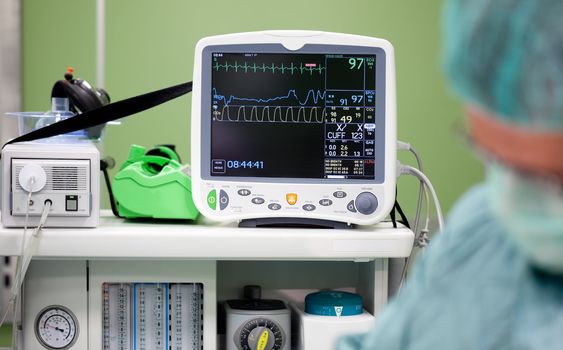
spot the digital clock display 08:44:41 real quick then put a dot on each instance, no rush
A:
(245, 164)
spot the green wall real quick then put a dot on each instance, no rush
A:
(5, 335)
(150, 45)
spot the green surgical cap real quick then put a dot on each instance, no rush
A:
(507, 57)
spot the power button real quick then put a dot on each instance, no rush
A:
(212, 199)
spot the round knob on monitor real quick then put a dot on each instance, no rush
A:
(366, 203)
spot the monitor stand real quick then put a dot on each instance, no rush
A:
(294, 222)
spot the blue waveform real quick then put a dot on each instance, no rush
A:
(315, 95)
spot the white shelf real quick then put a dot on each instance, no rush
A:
(118, 238)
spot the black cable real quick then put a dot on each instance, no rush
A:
(397, 209)
(105, 164)
(107, 113)
(393, 214)
(402, 214)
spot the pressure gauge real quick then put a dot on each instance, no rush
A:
(260, 334)
(257, 324)
(56, 327)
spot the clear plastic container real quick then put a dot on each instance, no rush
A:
(30, 121)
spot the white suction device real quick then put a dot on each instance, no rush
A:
(66, 174)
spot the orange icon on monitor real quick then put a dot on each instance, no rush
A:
(291, 198)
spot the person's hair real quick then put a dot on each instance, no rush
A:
(507, 56)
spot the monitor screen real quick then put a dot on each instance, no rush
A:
(290, 115)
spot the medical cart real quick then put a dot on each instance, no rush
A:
(75, 271)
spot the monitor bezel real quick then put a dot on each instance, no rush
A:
(271, 48)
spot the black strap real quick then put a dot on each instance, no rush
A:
(107, 113)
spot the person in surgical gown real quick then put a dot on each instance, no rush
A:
(493, 279)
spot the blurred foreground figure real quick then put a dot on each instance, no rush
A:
(494, 278)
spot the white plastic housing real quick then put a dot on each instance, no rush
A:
(276, 191)
(72, 184)
(312, 332)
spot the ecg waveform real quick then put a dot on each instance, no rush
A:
(313, 96)
(273, 114)
(254, 68)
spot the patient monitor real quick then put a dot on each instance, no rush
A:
(295, 125)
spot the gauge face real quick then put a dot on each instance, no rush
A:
(56, 327)
(260, 334)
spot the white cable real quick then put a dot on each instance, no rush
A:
(405, 146)
(17, 282)
(5, 314)
(28, 251)
(421, 236)
(421, 191)
(407, 169)
(28, 247)
(31, 245)
(421, 240)
(14, 292)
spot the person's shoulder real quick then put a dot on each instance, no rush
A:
(472, 209)
(473, 241)
(471, 218)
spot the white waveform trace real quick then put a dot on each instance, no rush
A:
(272, 114)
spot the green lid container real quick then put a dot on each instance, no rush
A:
(333, 303)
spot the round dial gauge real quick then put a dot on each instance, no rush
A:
(260, 334)
(56, 327)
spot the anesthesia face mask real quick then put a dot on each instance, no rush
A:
(532, 212)
(528, 201)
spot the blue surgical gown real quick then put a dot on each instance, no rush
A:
(471, 289)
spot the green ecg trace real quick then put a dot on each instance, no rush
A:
(263, 68)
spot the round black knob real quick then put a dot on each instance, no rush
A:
(252, 292)
(366, 203)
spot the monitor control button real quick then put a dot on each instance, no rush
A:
(325, 202)
(223, 200)
(351, 206)
(258, 200)
(243, 192)
(274, 206)
(309, 207)
(212, 199)
(339, 194)
(291, 198)
(366, 203)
